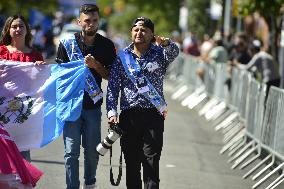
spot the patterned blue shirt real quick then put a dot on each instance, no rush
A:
(153, 64)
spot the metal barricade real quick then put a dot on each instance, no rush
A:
(259, 111)
(215, 89)
(186, 78)
(191, 93)
(254, 122)
(234, 89)
(220, 77)
(270, 117)
(251, 113)
(174, 70)
(209, 78)
(279, 131)
(189, 72)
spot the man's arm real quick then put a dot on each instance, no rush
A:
(113, 88)
(102, 66)
(255, 59)
(171, 50)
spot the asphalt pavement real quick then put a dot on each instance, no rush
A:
(190, 157)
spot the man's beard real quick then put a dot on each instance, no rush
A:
(90, 33)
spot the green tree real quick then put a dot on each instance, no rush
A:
(12, 7)
(199, 20)
(165, 14)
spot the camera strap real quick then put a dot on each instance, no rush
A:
(115, 183)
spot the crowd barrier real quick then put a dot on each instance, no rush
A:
(250, 118)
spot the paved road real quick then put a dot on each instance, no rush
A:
(190, 157)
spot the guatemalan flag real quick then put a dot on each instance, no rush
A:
(35, 101)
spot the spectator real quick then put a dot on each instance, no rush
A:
(262, 65)
(218, 53)
(15, 45)
(38, 41)
(190, 45)
(205, 48)
(240, 52)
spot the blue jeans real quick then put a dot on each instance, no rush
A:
(89, 127)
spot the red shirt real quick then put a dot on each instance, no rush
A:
(20, 56)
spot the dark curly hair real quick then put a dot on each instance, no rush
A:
(6, 39)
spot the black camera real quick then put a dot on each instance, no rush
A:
(115, 132)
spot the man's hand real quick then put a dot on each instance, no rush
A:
(112, 120)
(165, 114)
(39, 63)
(90, 61)
(162, 41)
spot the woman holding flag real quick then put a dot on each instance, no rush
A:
(15, 45)
(15, 42)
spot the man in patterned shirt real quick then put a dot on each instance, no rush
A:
(138, 74)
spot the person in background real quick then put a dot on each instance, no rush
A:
(190, 45)
(138, 74)
(262, 65)
(176, 37)
(38, 35)
(15, 45)
(218, 54)
(204, 49)
(239, 55)
(98, 53)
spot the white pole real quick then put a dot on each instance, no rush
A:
(183, 19)
(227, 18)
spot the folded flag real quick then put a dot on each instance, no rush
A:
(35, 101)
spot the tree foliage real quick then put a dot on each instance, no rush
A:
(11, 7)
(266, 8)
(164, 14)
(199, 19)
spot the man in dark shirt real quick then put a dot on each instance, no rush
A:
(240, 52)
(99, 53)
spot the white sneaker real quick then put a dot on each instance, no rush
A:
(93, 186)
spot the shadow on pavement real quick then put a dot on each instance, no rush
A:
(48, 162)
